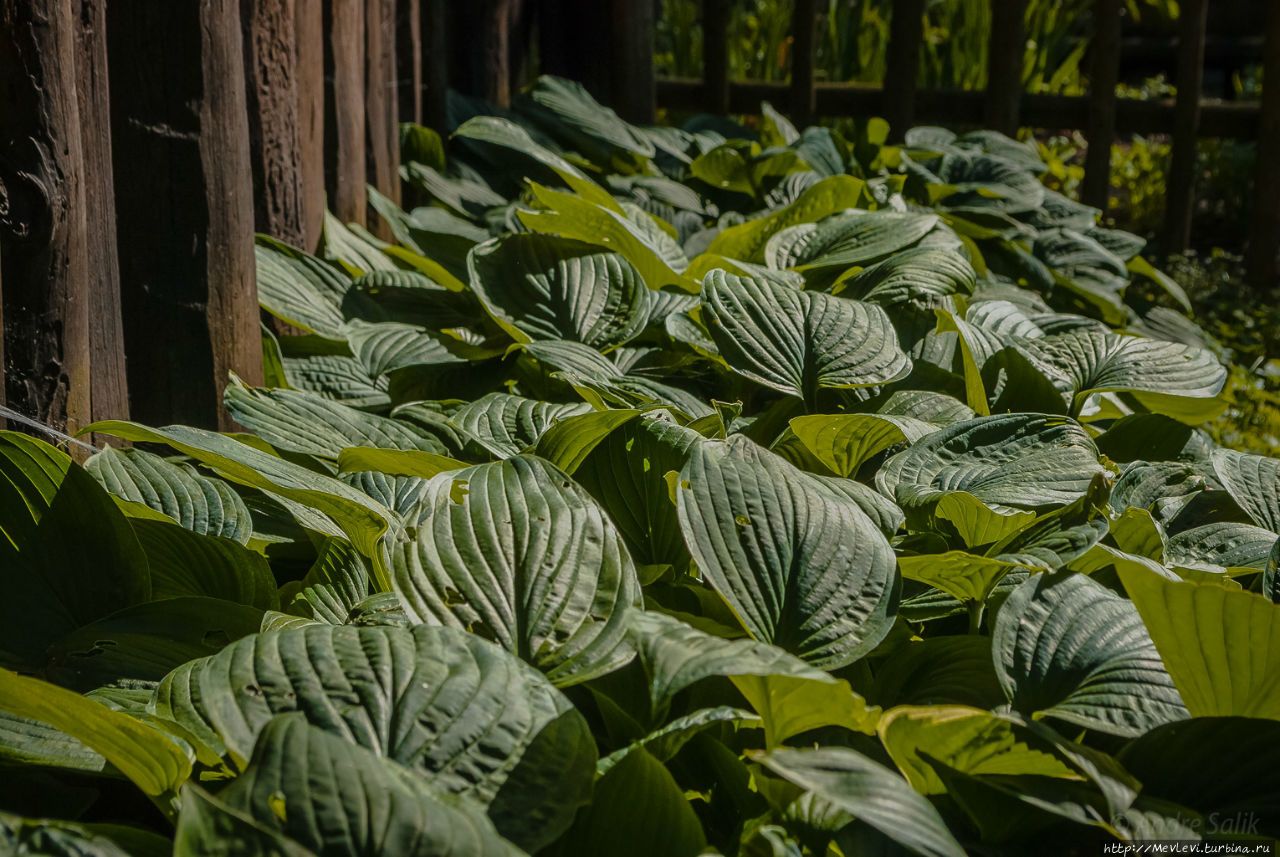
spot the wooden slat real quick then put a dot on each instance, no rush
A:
(381, 107)
(409, 59)
(1264, 234)
(309, 34)
(1004, 65)
(42, 223)
(344, 136)
(1180, 193)
(715, 55)
(184, 207)
(271, 89)
(1235, 120)
(435, 46)
(1100, 132)
(633, 90)
(906, 31)
(496, 58)
(804, 25)
(109, 389)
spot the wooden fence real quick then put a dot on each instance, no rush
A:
(142, 143)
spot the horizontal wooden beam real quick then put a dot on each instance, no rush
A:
(1229, 119)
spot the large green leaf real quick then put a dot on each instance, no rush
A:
(1069, 648)
(69, 555)
(152, 760)
(1254, 482)
(565, 110)
(301, 289)
(1221, 647)
(798, 342)
(1089, 361)
(30, 837)
(676, 655)
(304, 422)
(362, 519)
(206, 506)
(869, 791)
(186, 563)
(519, 553)
(844, 442)
(447, 704)
(333, 797)
(575, 217)
(638, 810)
(506, 425)
(961, 575)
(844, 240)
(746, 241)
(548, 287)
(1007, 460)
(760, 530)
(918, 275)
(625, 471)
(970, 740)
(144, 642)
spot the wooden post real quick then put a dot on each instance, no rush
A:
(804, 25)
(1186, 126)
(109, 388)
(715, 54)
(1004, 65)
(906, 32)
(42, 217)
(495, 72)
(1104, 73)
(435, 42)
(184, 205)
(309, 36)
(344, 134)
(570, 43)
(519, 39)
(271, 87)
(409, 59)
(1264, 235)
(635, 91)
(382, 127)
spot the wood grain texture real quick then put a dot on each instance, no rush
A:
(1004, 65)
(906, 32)
(344, 110)
(271, 91)
(309, 38)
(109, 387)
(381, 107)
(42, 217)
(184, 202)
(804, 25)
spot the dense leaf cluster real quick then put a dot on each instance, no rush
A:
(664, 492)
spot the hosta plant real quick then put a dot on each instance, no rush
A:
(663, 491)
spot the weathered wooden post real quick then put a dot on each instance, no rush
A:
(309, 35)
(43, 232)
(409, 64)
(271, 88)
(635, 90)
(715, 55)
(344, 123)
(435, 45)
(804, 24)
(1004, 65)
(109, 387)
(184, 197)
(906, 31)
(1181, 186)
(1104, 73)
(381, 106)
